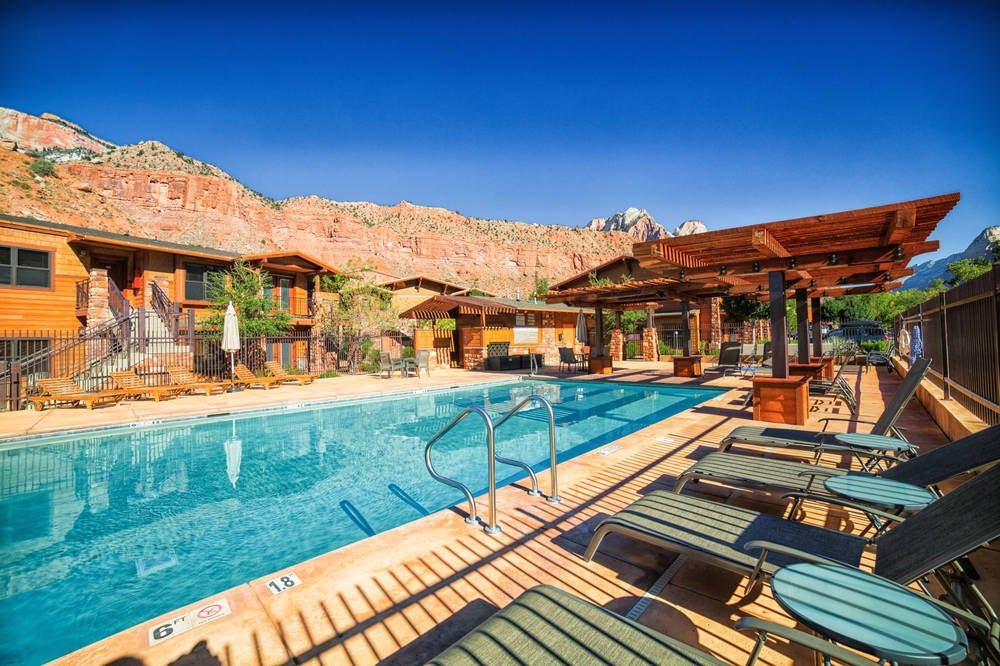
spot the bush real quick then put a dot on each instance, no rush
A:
(633, 349)
(42, 168)
(666, 350)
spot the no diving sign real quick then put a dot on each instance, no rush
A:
(178, 625)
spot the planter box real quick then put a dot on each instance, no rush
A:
(687, 366)
(827, 363)
(808, 370)
(600, 365)
(781, 400)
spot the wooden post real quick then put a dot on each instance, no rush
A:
(686, 327)
(779, 325)
(817, 326)
(802, 314)
(598, 349)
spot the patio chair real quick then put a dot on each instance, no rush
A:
(245, 377)
(187, 380)
(729, 358)
(389, 364)
(961, 456)
(423, 362)
(277, 370)
(64, 389)
(131, 384)
(931, 541)
(814, 439)
(570, 359)
(545, 625)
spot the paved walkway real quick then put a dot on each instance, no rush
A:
(400, 597)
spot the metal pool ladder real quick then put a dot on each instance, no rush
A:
(492, 527)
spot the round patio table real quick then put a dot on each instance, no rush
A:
(882, 493)
(869, 613)
(861, 442)
(894, 496)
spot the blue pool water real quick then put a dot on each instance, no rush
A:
(102, 530)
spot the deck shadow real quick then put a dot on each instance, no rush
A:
(432, 643)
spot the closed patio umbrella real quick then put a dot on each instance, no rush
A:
(581, 328)
(231, 341)
(234, 456)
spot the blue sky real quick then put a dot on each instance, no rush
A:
(731, 113)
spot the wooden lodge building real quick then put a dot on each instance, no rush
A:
(58, 280)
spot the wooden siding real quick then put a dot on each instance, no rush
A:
(39, 308)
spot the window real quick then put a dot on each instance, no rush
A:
(20, 267)
(284, 293)
(196, 281)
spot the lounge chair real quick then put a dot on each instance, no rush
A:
(813, 439)
(245, 377)
(930, 541)
(963, 455)
(836, 388)
(277, 371)
(64, 389)
(570, 359)
(423, 362)
(546, 625)
(189, 382)
(132, 386)
(729, 358)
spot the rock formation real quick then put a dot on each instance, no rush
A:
(635, 222)
(152, 191)
(45, 132)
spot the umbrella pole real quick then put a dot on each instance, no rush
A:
(232, 373)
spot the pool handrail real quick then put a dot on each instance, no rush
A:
(491, 527)
(554, 496)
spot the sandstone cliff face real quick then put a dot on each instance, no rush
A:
(48, 131)
(216, 211)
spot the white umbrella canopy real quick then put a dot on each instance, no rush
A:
(231, 340)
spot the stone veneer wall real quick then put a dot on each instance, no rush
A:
(650, 351)
(616, 345)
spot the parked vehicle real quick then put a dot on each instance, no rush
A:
(859, 331)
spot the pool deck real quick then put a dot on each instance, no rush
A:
(402, 596)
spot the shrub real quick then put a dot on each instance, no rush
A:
(633, 349)
(42, 167)
(666, 350)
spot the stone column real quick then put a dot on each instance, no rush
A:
(616, 344)
(650, 352)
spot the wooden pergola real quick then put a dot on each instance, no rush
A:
(852, 252)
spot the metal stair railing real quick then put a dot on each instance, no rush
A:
(531, 399)
(492, 527)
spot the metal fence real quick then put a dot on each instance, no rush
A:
(147, 344)
(960, 331)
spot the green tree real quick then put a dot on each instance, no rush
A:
(936, 286)
(360, 311)
(42, 167)
(964, 270)
(741, 308)
(250, 291)
(541, 285)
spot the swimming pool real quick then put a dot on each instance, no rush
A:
(102, 530)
